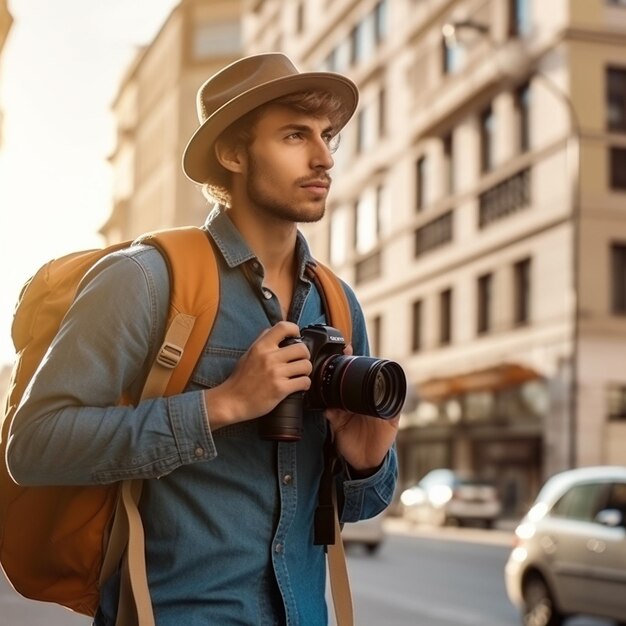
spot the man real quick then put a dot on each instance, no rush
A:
(229, 521)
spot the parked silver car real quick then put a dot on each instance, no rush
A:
(445, 496)
(369, 533)
(570, 552)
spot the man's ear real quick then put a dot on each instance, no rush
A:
(231, 158)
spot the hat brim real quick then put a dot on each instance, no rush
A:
(198, 157)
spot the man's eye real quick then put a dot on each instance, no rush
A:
(332, 142)
(296, 135)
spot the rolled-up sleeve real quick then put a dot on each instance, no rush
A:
(366, 497)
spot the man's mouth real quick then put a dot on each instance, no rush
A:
(317, 185)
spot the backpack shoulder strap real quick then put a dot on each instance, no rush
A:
(194, 301)
(334, 298)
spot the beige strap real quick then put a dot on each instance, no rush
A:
(338, 572)
(169, 356)
(134, 605)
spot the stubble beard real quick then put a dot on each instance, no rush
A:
(258, 188)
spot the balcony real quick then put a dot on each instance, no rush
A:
(506, 198)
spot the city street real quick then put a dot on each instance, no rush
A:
(447, 577)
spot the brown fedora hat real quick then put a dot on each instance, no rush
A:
(244, 85)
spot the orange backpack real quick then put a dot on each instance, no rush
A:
(58, 543)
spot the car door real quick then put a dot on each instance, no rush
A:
(565, 544)
(606, 559)
(588, 558)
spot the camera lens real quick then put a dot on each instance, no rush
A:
(284, 423)
(365, 385)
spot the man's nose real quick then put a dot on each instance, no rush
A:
(321, 156)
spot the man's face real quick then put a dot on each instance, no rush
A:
(287, 164)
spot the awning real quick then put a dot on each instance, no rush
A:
(488, 379)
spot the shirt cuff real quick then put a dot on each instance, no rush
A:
(366, 497)
(190, 425)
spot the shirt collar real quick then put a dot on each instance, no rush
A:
(234, 247)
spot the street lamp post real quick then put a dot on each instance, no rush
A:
(453, 33)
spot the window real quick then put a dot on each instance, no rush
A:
(423, 194)
(452, 56)
(366, 129)
(372, 217)
(580, 502)
(483, 302)
(519, 18)
(380, 21)
(366, 223)
(382, 112)
(522, 114)
(618, 168)
(342, 56)
(616, 99)
(300, 17)
(375, 335)
(448, 163)
(416, 342)
(618, 278)
(521, 293)
(339, 236)
(616, 402)
(486, 140)
(445, 317)
(216, 38)
(363, 39)
(617, 498)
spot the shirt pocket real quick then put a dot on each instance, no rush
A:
(214, 367)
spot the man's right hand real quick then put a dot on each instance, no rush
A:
(263, 376)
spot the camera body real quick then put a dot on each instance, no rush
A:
(323, 343)
(365, 385)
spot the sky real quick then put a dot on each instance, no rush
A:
(59, 74)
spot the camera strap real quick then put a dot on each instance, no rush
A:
(327, 531)
(324, 522)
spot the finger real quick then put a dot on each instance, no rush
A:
(348, 351)
(300, 383)
(296, 368)
(282, 329)
(295, 352)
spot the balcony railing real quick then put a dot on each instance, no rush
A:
(434, 234)
(507, 197)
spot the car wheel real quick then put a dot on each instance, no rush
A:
(372, 548)
(539, 607)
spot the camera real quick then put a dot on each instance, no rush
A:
(360, 384)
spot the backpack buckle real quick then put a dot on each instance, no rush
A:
(169, 356)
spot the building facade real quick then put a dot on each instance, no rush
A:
(155, 115)
(478, 210)
(5, 25)
(477, 206)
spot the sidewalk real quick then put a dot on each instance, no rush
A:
(503, 534)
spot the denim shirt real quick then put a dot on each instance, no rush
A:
(227, 515)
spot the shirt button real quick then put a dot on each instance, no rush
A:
(287, 478)
(199, 452)
(267, 294)
(278, 548)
